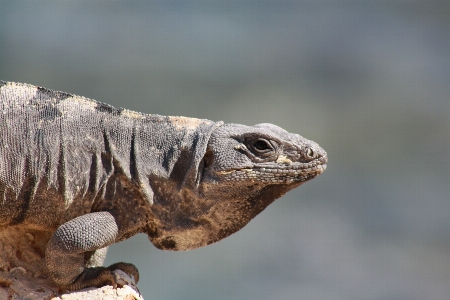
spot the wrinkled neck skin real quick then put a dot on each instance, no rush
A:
(161, 157)
(168, 168)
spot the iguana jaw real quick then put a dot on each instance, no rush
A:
(276, 172)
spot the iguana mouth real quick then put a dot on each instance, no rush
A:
(278, 173)
(292, 170)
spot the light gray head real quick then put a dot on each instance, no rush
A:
(243, 170)
(264, 153)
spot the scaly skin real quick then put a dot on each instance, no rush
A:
(95, 175)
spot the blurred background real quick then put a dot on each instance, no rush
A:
(368, 80)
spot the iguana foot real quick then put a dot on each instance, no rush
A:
(101, 276)
(129, 269)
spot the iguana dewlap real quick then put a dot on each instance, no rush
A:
(96, 175)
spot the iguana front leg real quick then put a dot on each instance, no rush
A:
(65, 253)
(95, 258)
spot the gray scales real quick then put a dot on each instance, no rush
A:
(94, 175)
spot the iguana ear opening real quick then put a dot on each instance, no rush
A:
(205, 163)
(201, 156)
(208, 159)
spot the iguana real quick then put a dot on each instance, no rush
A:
(95, 175)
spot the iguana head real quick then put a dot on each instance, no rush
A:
(243, 170)
(263, 154)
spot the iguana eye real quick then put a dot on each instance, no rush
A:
(261, 145)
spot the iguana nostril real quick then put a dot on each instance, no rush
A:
(310, 153)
